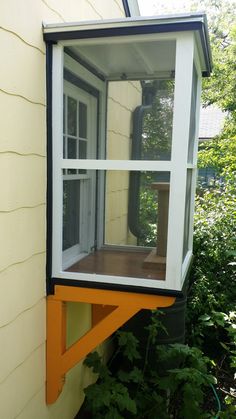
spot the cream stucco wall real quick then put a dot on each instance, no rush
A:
(23, 209)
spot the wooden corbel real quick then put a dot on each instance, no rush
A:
(111, 309)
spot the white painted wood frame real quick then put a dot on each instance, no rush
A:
(188, 257)
(180, 139)
(177, 167)
(57, 150)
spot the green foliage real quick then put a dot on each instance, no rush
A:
(110, 397)
(129, 345)
(220, 155)
(147, 212)
(211, 303)
(221, 86)
(173, 387)
(157, 123)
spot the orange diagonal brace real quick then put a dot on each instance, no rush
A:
(96, 335)
(119, 307)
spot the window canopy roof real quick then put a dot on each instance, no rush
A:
(132, 48)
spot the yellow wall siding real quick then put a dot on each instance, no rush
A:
(23, 19)
(23, 210)
(23, 125)
(20, 64)
(20, 338)
(21, 287)
(24, 235)
(18, 191)
(67, 405)
(22, 384)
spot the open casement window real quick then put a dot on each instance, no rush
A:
(125, 108)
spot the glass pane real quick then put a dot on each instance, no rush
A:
(82, 154)
(64, 114)
(72, 116)
(192, 128)
(71, 148)
(137, 198)
(136, 221)
(64, 147)
(82, 149)
(130, 224)
(140, 120)
(71, 213)
(82, 120)
(187, 213)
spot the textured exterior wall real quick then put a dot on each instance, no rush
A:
(123, 98)
(23, 209)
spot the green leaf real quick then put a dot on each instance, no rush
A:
(204, 317)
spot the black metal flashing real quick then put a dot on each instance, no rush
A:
(114, 287)
(49, 166)
(122, 31)
(73, 79)
(126, 8)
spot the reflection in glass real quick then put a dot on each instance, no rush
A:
(187, 213)
(82, 149)
(71, 213)
(82, 120)
(111, 247)
(157, 120)
(137, 209)
(71, 148)
(64, 113)
(192, 128)
(140, 128)
(72, 116)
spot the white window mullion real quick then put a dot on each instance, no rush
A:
(191, 212)
(198, 99)
(180, 140)
(138, 165)
(57, 139)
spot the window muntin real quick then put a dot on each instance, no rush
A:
(76, 141)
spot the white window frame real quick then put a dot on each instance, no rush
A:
(188, 258)
(177, 166)
(87, 232)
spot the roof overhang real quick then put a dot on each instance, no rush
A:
(139, 43)
(131, 8)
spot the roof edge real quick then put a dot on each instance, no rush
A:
(134, 26)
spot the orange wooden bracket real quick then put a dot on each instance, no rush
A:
(111, 309)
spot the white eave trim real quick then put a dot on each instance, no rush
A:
(125, 22)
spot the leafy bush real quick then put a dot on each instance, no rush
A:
(173, 386)
(211, 316)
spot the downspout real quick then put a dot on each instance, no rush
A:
(134, 179)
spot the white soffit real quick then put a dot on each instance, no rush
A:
(130, 60)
